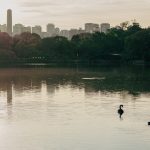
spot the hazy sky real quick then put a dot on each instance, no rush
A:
(74, 13)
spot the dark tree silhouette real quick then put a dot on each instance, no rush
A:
(26, 45)
(118, 44)
(6, 53)
(57, 49)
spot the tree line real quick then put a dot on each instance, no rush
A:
(124, 44)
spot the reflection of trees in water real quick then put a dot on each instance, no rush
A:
(116, 80)
(7, 86)
(118, 85)
(9, 93)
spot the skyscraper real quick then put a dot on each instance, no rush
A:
(50, 29)
(91, 27)
(3, 28)
(37, 29)
(9, 22)
(105, 27)
(17, 29)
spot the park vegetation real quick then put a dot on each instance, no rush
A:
(125, 44)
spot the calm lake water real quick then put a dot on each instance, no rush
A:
(74, 109)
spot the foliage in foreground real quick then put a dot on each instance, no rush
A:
(128, 44)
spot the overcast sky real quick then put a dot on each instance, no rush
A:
(74, 13)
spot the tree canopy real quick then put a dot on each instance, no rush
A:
(127, 42)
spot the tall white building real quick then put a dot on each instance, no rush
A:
(44, 35)
(91, 28)
(27, 29)
(50, 29)
(105, 27)
(37, 30)
(3, 28)
(57, 31)
(64, 33)
(9, 22)
(17, 29)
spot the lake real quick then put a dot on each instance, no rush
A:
(74, 108)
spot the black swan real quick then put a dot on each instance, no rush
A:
(120, 110)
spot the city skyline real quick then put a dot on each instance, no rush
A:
(72, 14)
(51, 29)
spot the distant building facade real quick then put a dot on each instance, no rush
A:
(72, 32)
(37, 29)
(91, 28)
(50, 29)
(27, 29)
(57, 31)
(80, 31)
(64, 33)
(9, 22)
(3, 28)
(44, 35)
(17, 29)
(105, 27)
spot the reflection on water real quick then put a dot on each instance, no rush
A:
(9, 93)
(63, 109)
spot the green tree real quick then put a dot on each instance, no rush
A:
(137, 46)
(6, 53)
(57, 48)
(135, 27)
(26, 45)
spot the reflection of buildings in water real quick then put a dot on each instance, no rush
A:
(127, 96)
(9, 93)
(51, 89)
(48, 88)
(9, 90)
(22, 84)
(53, 84)
(36, 84)
(43, 88)
(90, 90)
(27, 84)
